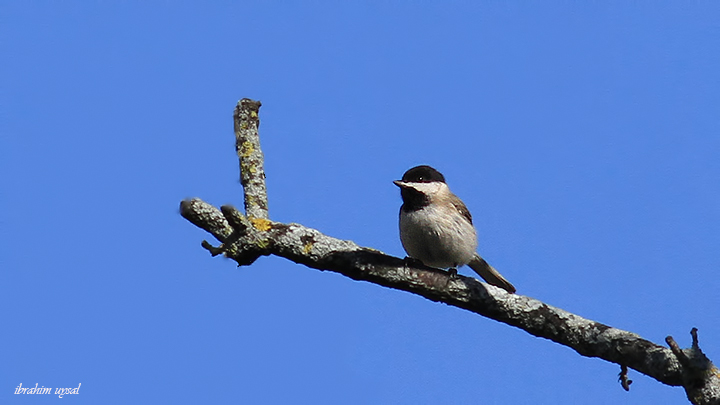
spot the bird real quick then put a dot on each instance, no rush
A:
(436, 227)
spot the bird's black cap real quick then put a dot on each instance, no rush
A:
(423, 174)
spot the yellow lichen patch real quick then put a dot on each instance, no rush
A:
(230, 251)
(254, 114)
(244, 166)
(308, 248)
(261, 224)
(247, 149)
(262, 244)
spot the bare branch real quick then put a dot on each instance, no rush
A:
(252, 169)
(312, 248)
(246, 237)
(701, 378)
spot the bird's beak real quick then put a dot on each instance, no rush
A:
(400, 184)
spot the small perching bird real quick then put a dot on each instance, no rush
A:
(436, 227)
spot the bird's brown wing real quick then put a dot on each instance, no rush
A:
(460, 206)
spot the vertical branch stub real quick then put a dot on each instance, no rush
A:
(252, 170)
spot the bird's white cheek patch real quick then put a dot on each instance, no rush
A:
(427, 188)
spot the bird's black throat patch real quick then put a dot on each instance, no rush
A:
(413, 200)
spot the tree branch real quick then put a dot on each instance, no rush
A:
(245, 238)
(252, 162)
(701, 378)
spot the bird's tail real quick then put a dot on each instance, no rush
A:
(489, 274)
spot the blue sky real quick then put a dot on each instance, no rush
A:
(583, 136)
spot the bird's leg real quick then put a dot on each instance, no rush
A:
(453, 272)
